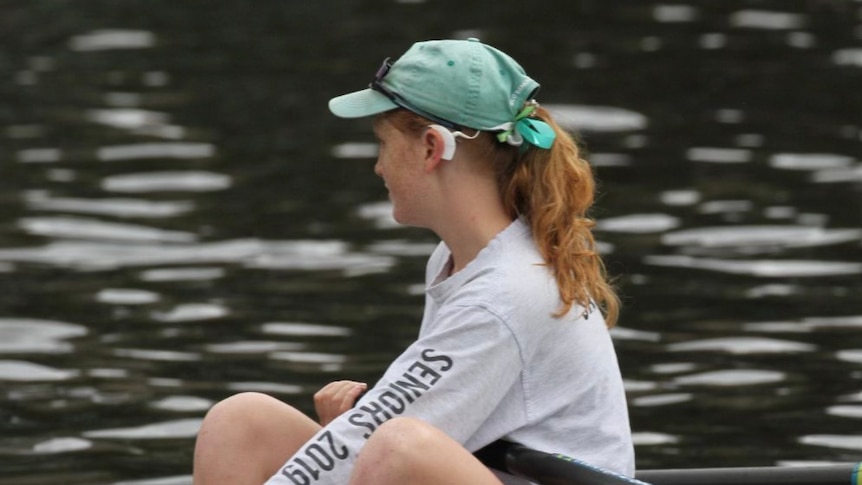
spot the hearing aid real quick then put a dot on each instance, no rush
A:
(449, 140)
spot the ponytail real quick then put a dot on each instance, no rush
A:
(553, 189)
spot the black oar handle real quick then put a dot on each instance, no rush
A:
(551, 469)
(555, 469)
(839, 474)
(547, 468)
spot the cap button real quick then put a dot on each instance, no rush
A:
(473, 39)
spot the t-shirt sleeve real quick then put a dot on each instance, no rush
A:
(452, 378)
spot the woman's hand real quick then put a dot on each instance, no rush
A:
(336, 398)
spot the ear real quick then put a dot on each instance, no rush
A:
(435, 149)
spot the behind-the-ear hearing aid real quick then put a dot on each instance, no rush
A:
(449, 140)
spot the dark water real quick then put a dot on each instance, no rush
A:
(181, 218)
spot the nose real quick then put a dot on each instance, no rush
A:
(378, 169)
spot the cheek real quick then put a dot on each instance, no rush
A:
(388, 160)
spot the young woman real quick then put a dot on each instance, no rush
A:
(513, 343)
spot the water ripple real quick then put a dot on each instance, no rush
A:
(672, 367)
(380, 213)
(355, 150)
(267, 387)
(309, 357)
(109, 206)
(851, 56)
(178, 181)
(622, 333)
(850, 355)
(743, 238)
(809, 161)
(639, 223)
(157, 355)
(742, 345)
(192, 312)
(680, 197)
(808, 324)
(297, 329)
(182, 274)
(633, 386)
(662, 399)
(108, 39)
(23, 335)
(845, 411)
(766, 19)
(82, 228)
(734, 377)
(39, 155)
(596, 118)
(674, 13)
(319, 255)
(126, 296)
(182, 404)
(761, 268)
(402, 248)
(763, 291)
(155, 150)
(23, 371)
(177, 480)
(126, 118)
(61, 445)
(718, 155)
(180, 428)
(729, 207)
(278, 255)
(253, 347)
(646, 438)
(838, 175)
(849, 442)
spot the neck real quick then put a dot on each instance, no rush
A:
(469, 220)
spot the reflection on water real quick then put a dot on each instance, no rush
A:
(180, 428)
(766, 267)
(182, 219)
(742, 345)
(596, 118)
(23, 336)
(104, 39)
(15, 370)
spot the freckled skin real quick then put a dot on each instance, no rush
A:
(400, 165)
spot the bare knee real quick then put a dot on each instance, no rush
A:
(251, 434)
(254, 416)
(405, 435)
(394, 452)
(242, 409)
(407, 451)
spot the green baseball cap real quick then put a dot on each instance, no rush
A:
(457, 83)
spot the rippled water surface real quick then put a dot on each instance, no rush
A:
(182, 219)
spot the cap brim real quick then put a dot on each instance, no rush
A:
(359, 104)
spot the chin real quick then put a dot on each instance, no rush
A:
(405, 220)
(401, 219)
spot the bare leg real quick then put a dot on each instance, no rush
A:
(406, 451)
(246, 438)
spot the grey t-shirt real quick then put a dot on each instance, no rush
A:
(491, 361)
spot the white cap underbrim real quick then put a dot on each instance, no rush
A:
(359, 104)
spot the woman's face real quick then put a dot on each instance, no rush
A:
(400, 163)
